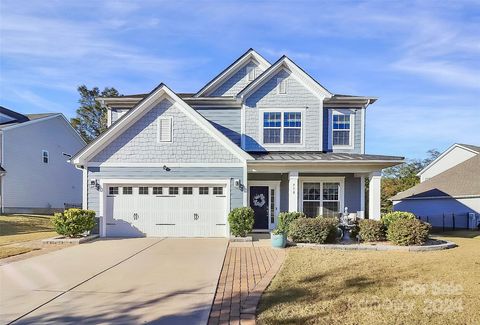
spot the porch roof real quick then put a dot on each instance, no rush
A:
(319, 156)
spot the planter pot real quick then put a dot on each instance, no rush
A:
(279, 241)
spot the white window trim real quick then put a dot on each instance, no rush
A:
(285, 83)
(282, 111)
(352, 128)
(158, 129)
(322, 180)
(250, 70)
(43, 156)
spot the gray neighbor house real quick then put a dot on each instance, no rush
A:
(258, 134)
(35, 176)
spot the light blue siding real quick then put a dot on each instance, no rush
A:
(176, 173)
(357, 137)
(226, 120)
(434, 210)
(236, 82)
(297, 97)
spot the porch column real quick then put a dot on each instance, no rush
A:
(362, 197)
(374, 191)
(293, 191)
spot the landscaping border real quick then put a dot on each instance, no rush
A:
(360, 247)
(72, 241)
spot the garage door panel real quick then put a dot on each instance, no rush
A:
(186, 214)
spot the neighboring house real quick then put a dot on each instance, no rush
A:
(258, 134)
(449, 192)
(35, 174)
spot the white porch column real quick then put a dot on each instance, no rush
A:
(374, 191)
(362, 197)
(293, 191)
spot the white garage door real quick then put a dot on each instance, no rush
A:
(166, 210)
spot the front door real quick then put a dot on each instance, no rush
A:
(259, 201)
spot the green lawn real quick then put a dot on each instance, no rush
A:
(22, 228)
(368, 287)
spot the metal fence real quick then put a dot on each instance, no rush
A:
(450, 221)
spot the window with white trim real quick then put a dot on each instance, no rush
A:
(250, 73)
(187, 191)
(342, 129)
(127, 190)
(45, 156)
(321, 198)
(164, 129)
(281, 86)
(113, 190)
(143, 190)
(173, 190)
(203, 190)
(157, 190)
(217, 190)
(282, 128)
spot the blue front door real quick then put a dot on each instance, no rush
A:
(259, 203)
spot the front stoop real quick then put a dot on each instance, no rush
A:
(246, 273)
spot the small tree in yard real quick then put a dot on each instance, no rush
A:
(74, 222)
(241, 221)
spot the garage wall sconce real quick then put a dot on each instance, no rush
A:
(94, 183)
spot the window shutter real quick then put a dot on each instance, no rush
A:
(282, 85)
(164, 130)
(251, 73)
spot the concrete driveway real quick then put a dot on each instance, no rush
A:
(155, 280)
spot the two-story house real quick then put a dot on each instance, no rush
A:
(258, 134)
(35, 176)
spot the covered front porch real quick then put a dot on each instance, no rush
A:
(317, 188)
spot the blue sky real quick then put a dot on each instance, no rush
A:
(422, 59)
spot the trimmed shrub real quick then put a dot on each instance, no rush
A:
(406, 232)
(73, 222)
(313, 230)
(285, 219)
(371, 230)
(355, 230)
(241, 221)
(390, 217)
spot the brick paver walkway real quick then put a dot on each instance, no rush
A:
(247, 270)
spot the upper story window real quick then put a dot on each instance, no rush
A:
(342, 129)
(45, 156)
(281, 85)
(250, 73)
(164, 129)
(282, 127)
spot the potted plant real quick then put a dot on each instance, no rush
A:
(279, 237)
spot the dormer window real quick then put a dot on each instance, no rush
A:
(250, 73)
(342, 129)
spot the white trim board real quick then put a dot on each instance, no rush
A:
(156, 96)
(161, 164)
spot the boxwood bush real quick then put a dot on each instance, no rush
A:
(73, 222)
(285, 219)
(371, 230)
(241, 221)
(313, 230)
(390, 217)
(407, 232)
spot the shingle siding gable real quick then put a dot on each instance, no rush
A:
(236, 82)
(191, 143)
(297, 97)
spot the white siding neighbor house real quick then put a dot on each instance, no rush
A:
(35, 174)
(449, 193)
(263, 135)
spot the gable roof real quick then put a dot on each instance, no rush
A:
(463, 180)
(285, 63)
(16, 117)
(468, 147)
(135, 114)
(251, 54)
